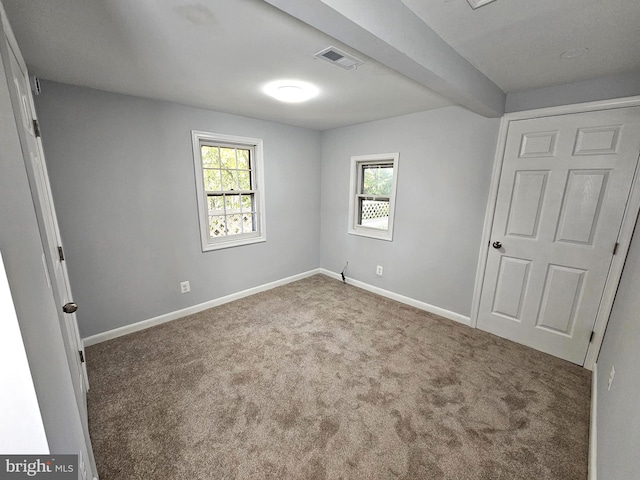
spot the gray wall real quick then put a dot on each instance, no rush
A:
(33, 300)
(603, 88)
(618, 413)
(122, 176)
(446, 158)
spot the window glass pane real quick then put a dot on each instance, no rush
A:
(243, 159)
(210, 156)
(374, 214)
(228, 157)
(244, 180)
(217, 226)
(216, 203)
(247, 202)
(229, 180)
(234, 224)
(377, 179)
(233, 203)
(248, 224)
(211, 179)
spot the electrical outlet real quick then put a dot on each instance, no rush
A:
(611, 375)
(379, 270)
(185, 287)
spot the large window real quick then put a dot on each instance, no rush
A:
(230, 189)
(372, 197)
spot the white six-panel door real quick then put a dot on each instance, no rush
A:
(561, 198)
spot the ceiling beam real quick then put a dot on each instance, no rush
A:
(390, 33)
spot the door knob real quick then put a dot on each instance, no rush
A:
(497, 245)
(70, 307)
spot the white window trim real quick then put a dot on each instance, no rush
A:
(356, 162)
(209, 244)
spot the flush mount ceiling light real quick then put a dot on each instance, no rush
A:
(291, 91)
(574, 53)
(479, 3)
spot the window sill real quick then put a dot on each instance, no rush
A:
(233, 243)
(371, 233)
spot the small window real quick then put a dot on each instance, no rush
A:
(230, 189)
(373, 193)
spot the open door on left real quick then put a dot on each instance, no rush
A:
(31, 145)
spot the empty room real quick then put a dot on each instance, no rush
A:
(320, 239)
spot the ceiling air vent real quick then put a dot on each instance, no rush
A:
(478, 3)
(339, 58)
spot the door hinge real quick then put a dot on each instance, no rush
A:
(60, 253)
(615, 248)
(81, 356)
(593, 334)
(36, 127)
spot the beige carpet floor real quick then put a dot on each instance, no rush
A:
(321, 380)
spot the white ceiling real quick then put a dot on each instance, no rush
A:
(214, 54)
(518, 43)
(218, 54)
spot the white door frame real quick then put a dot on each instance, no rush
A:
(624, 236)
(9, 46)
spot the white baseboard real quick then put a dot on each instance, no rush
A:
(401, 298)
(167, 317)
(593, 425)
